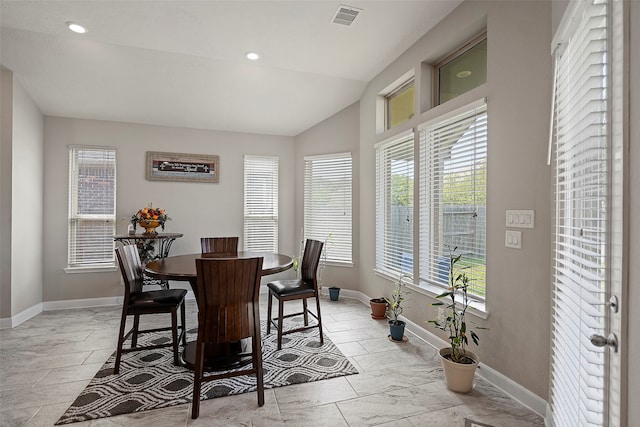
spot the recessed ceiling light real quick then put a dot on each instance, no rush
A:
(463, 74)
(76, 28)
(252, 56)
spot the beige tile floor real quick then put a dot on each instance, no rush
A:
(48, 360)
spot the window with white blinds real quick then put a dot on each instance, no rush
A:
(92, 206)
(327, 204)
(260, 203)
(580, 238)
(394, 206)
(453, 195)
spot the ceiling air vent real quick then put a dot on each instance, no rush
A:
(345, 15)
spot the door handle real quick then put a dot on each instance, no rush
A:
(600, 341)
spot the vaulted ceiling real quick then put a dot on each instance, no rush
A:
(183, 63)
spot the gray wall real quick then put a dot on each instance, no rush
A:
(518, 91)
(196, 209)
(27, 202)
(337, 134)
(6, 117)
(21, 208)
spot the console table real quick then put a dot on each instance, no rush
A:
(150, 248)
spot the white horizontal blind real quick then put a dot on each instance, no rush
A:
(453, 194)
(327, 204)
(92, 206)
(394, 206)
(260, 203)
(580, 259)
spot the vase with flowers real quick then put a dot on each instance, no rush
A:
(149, 218)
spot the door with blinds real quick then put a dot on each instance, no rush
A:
(587, 240)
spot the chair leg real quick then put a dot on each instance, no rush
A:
(136, 327)
(257, 364)
(184, 324)
(280, 321)
(174, 335)
(305, 312)
(269, 314)
(197, 380)
(319, 318)
(123, 322)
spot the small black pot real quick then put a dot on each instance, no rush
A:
(396, 330)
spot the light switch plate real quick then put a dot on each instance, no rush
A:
(513, 239)
(520, 218)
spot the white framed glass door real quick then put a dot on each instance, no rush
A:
(588, 234)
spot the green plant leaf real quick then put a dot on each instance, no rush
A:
(475, 338)
(446, 294)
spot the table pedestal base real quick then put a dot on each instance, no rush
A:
(219, 357)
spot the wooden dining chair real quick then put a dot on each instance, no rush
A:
(137, 303)
(228, 311)
(216, 245)
(298, 289)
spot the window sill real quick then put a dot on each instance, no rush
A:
(338, 264)
(476, 308)
(91, 269)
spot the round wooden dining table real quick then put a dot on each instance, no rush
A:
(183, 268)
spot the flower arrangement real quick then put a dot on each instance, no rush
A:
(150, 214)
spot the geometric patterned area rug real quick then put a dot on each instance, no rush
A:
(149, 380)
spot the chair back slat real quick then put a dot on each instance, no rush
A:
(131, 269)
(216, 245)
(228, 298)
(311, 260)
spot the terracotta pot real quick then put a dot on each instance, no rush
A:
(378, 308)
(459, 376)
(149, 225)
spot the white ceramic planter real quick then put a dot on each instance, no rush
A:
(459, 376)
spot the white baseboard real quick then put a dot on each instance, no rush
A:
(548, 419)
(347, 293)
(23, 316)
(504, 383)
(81, 303)
(510, 387)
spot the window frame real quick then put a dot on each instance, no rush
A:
(384, 203)
(430, 225)
(337, 234)
(389, 97)
(458, 52)
(75, 218)
(268, 214)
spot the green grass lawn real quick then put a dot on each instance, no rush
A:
(476, 270)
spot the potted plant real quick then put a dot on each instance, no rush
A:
(378, 308)
(459, 363)
(396, 327)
